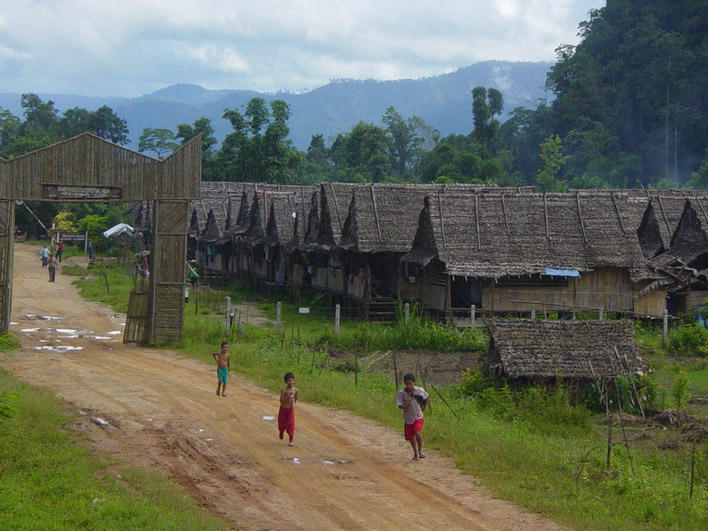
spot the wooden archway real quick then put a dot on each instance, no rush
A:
(87, 168)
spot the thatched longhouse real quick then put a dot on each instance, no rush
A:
(517, 252)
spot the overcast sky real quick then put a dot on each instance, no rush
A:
(132, 47)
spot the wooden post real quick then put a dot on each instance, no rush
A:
(666, 328)
(395, 369)
(337, 309)
(356, 368)
(601, 314)
(196, 299)
(406, 312)
(693, 465)
(227, 313)
(533, 313)
(7, 220)
(278, 308)
(473, 316)
(448, 300)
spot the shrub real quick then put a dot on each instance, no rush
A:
(688, 340)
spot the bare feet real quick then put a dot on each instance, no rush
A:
(223, 394)
(421, 455)
(415, 458)
(217, 392)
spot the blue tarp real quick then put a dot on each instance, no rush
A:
(561, 272)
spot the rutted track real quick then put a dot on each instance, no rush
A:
(352, 473)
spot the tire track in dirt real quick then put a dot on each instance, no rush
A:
(166, 417)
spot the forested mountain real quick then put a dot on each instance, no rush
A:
(631, 99)
(442, 101)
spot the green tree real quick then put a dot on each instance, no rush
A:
(186, 132)
(486, 104)
(407, 140)
(699, 178)
(552, 159)
(105, 123)
(362, 154)
(9, 129)
(158, 141)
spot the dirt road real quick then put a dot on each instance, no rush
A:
(345, 472)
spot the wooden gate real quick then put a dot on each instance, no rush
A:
(87, 168)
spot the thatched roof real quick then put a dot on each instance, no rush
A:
(287, 210)
(310, 225)
(334, 206)
(538, 348)
(229, 203)
(513, 234)
(288, 199)
(384, 217)
(686, 259)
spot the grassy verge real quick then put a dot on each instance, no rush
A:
(531, 447)
(50, 479)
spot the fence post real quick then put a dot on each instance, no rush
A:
(473, 315)
(406, 312)
(337, 309)
(666, 328)
(533, 313)
(227, 314)
(277, 318)
(602, 313)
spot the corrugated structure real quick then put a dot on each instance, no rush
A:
(576, 350)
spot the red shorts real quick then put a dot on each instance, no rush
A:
(410, 429)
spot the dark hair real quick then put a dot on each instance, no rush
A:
(409, 377)
(224, 343)
(287, 376)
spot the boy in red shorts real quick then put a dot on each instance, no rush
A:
(286, 413)
(413, 400)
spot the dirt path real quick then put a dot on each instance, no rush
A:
(345, 472)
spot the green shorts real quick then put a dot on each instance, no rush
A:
(223, 374)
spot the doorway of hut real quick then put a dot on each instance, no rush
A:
(465, 292)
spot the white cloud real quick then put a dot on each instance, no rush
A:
(133, 46)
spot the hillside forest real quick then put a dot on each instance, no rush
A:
(628, 110)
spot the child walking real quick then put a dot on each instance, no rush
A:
(413, 400)
(286, 413)
(223, 365)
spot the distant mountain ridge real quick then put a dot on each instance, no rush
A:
(443, 101)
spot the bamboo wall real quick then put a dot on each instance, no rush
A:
(609, 288)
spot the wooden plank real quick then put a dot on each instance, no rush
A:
(7, 217)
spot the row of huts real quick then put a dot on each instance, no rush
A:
(448, 247)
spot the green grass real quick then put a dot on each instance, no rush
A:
(50, 478)
(115, 294)
(531, 447)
